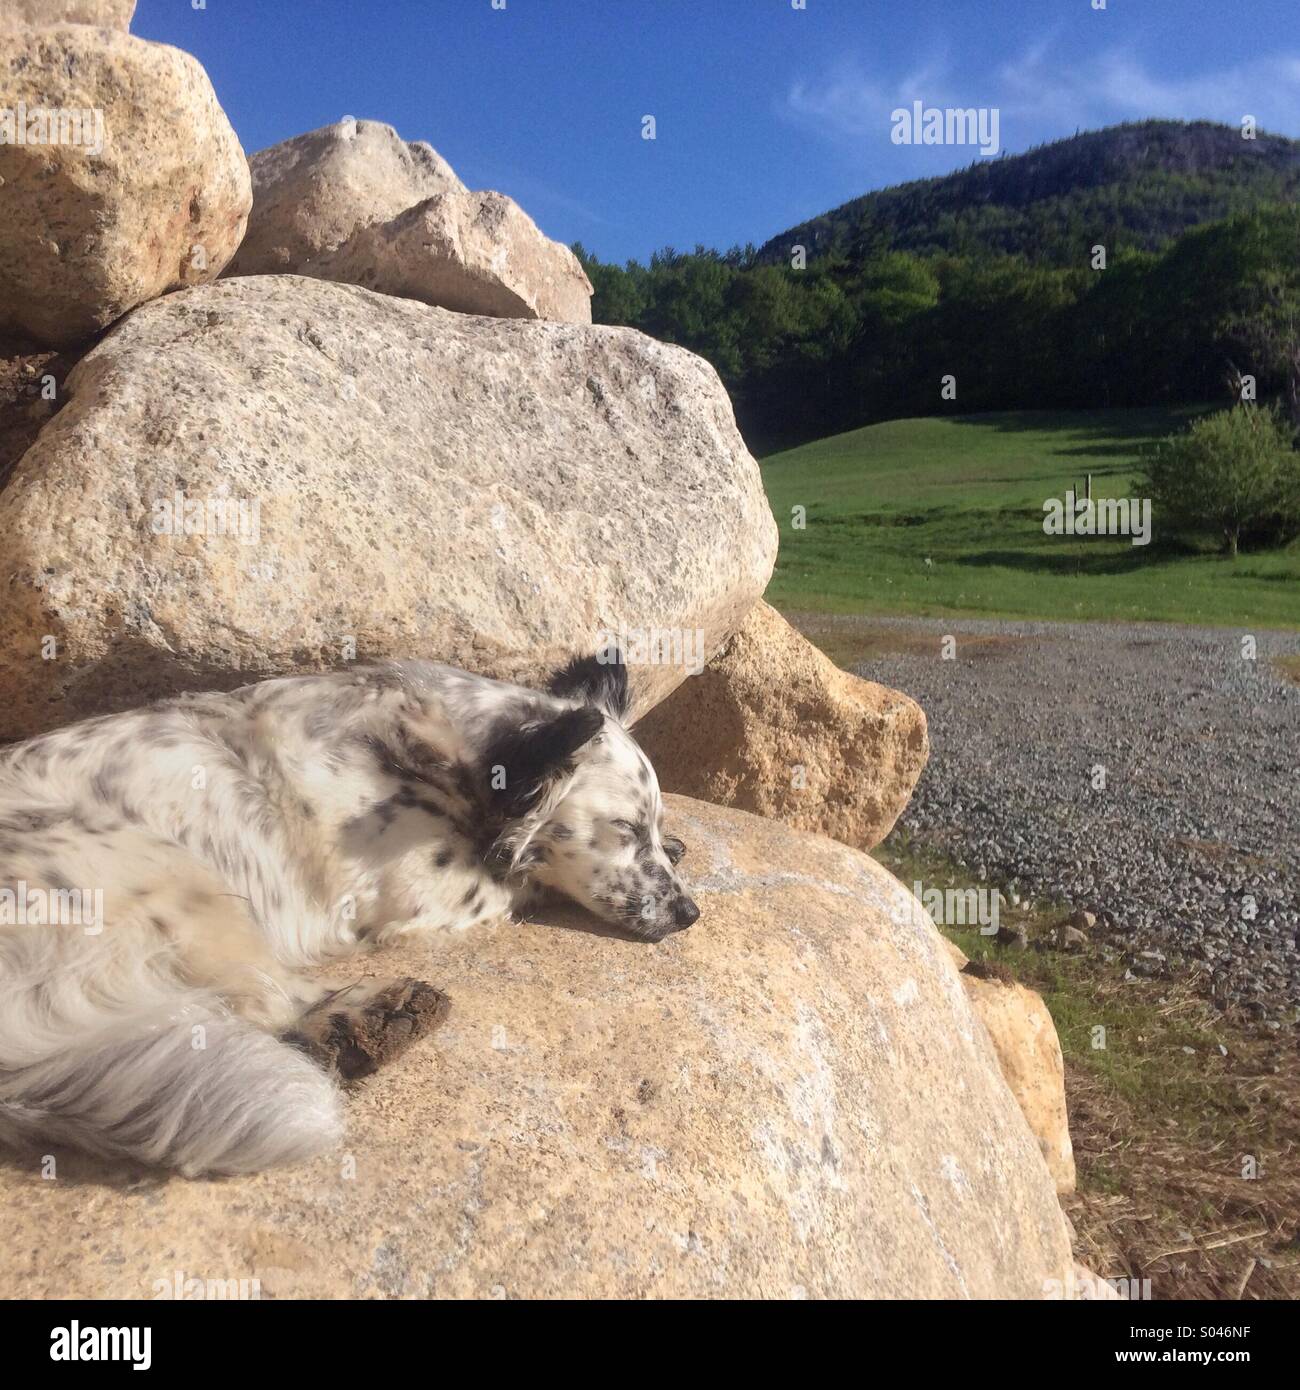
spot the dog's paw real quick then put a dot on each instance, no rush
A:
(355, 1031)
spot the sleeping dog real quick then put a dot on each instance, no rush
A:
(216, 846)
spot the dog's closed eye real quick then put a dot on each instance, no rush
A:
(673, 848)
(630, 831)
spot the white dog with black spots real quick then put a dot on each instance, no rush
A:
(239, 839)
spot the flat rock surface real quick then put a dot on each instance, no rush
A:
(791, 1099)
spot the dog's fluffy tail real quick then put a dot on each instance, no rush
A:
(104, 1049)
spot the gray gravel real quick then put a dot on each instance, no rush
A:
(1200, 814)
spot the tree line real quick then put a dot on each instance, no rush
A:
(813, 347)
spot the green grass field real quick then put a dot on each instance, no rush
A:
(966, 495)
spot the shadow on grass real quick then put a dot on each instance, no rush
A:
(1073, 563)
(1137, 424)
(1135, 449)
(1051, 465)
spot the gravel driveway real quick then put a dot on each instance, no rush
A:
(1186, 843)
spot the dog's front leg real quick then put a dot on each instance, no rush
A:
(353, 1031)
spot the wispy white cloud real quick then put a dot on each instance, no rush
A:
(1048, 91)
(848, 103)
(1119, 85)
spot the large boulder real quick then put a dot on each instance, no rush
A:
(102, 14)
(772, 726)
(792, 1099)
(353, 202)
(313, 192)
(479, 253)
(1029, 1053)
(276, 474)
(144, 189)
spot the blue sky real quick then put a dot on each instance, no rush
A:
(765, 114)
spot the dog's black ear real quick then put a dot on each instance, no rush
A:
(600, 680)
(521, 759)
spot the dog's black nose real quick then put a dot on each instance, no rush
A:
(685, 912)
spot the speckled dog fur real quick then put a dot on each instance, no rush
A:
(239, 839)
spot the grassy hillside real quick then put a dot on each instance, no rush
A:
(944, 516)
(1134, 186)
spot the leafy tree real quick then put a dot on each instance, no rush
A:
(1264, 314)
(619, 294)
(1115, 353)
(1233, 473)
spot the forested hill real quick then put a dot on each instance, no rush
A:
(1134, 186)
